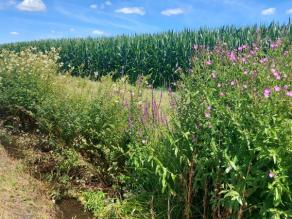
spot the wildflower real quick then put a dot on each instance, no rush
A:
(240, 49)
(244, 46)
(267, 92)
(271, 174)
(207, 114)
(289, 93)
(245, 72)
(232, 83)
(244, 60)
(222, 94)
(286, 53)
(144, 141)
(251, 52)
(285, 87)
(209, 62)
(214, 75)
(277, 88)
(276, 74)
(245, 86)
(219, 85)
(209, 108)
(232, 57)
(195, 46)
(263, 60)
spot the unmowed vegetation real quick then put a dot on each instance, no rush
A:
(220, 146)
(156, 56)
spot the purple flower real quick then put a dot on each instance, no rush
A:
(267, 92)
(289, 93)
(209, 108)
(277, 88)
(240, 49)
(286, 53)
(244, 46)
(285, 87)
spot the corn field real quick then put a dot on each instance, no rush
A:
(157, 56)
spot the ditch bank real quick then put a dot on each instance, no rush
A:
(28, 187)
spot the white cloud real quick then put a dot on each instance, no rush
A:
(14, 33)
(289, 11)
(98, 32)
(269, 11)
(32, 5)
(93, 6)
(133, 10)
(173, 11)
(108, 3)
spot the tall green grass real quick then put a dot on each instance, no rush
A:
(156, 55)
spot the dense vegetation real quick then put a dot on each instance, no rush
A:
(157, 56)
(221, 148)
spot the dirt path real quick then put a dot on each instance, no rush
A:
(21, 196)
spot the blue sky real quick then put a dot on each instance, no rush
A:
(23, 20)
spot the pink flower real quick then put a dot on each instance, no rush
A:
(209, 108)
(277, 76)
(286, 53)
(274, 45)
(289, 93)
(244, 60)
(232, 83)
(263, 60)
(245, 72)
(285, 87)
(267, 92)
(240, 49)
(232, 57)
(277, 88)
(222, 94)
(251, 52)
(244, 46)
(195, 46)
(209, 62)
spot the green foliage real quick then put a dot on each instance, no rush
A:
(223, 151)
(102, 207)
(155, 55)
(228, 154)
